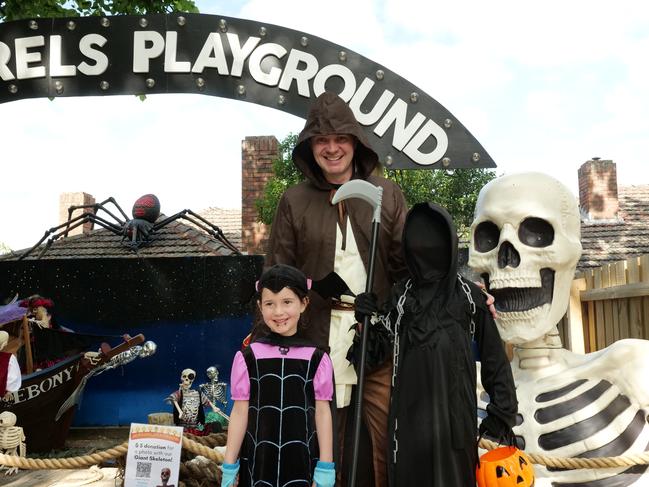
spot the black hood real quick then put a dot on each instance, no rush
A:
(430, 245)
(328, 115)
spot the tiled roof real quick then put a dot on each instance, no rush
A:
(607, 242)
(175, 239)
(228, 220)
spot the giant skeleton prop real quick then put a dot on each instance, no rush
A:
(525, 241)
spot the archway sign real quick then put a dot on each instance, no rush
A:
(233, 58)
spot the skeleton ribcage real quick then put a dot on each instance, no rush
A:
(582, 418)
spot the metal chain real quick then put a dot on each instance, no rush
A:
(395, 358)
(467, 291)
(400, 312)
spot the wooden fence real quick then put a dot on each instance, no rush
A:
(607, 304)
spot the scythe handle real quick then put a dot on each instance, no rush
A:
(358, 407)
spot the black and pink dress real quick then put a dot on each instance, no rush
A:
(282, 378)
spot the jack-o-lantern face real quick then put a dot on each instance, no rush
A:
(506, 466)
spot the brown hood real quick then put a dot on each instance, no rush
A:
(329, 114)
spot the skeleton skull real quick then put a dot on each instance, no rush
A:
(7, 418)
(165, 473)
(525, 242)
(212, 373)
(187, 378)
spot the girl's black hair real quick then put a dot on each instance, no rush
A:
(280, 276)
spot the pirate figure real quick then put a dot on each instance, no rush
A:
(188, 405)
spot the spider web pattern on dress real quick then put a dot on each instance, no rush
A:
(281, 438)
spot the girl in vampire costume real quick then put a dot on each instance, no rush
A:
(432, 423)
(282, 385)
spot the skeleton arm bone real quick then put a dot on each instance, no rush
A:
(180, 411)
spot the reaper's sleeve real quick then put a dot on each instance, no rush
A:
(282, 243)
(397, 217)
(496, 372)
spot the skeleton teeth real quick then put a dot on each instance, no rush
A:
(509, 282)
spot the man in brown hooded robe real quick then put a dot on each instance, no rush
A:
(310, 233)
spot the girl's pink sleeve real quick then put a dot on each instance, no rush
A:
(323, 383)
(239, 380)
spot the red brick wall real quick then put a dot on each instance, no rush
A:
(66, 200)
(598, 190)
(257, 155)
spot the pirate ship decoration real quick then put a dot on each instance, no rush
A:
(55, 364)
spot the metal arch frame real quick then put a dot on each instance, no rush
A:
(56, 58)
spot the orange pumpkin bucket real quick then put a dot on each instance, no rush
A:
(506, 466)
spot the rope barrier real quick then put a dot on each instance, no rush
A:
(574, 463)
(203, 446)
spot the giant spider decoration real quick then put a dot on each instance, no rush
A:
(135, 232)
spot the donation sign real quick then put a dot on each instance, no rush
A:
(153, 458)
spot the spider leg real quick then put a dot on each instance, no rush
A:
(95, 208)
(202, 223)
(77, 221)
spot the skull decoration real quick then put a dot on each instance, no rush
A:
(526, 249)
(165, 474)
(187, 378)
(7, 419)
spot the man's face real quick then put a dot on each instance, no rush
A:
(334, 154)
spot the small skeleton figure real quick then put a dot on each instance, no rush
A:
(214, 390)
(165, 475)
(525, 241)
(12, 439)
(188, 403)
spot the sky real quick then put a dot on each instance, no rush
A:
(543, 86)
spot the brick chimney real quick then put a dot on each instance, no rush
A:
(66, 200)
(598, 190)
(257, 155)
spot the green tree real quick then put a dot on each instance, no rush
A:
(21, 9)
(457, 191)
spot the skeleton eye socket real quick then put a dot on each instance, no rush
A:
(536, 232)
(191, 376)
(486, 236)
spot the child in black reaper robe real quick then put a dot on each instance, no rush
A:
(433, 411)
(282, 385)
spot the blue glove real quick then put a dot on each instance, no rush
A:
(230, 471)
(324, 474)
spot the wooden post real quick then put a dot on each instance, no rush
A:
(27, 339)
(575, 331)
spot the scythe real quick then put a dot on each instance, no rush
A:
(358, 188)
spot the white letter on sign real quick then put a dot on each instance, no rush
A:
(412, 149)
(214, 45)
(101, 60)
(254, 64)
(5, 56)
(239, 54)
(23, 58)
(301, 77)
(402, 132)
(171, 64)
(56, 68)
(141, 53)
